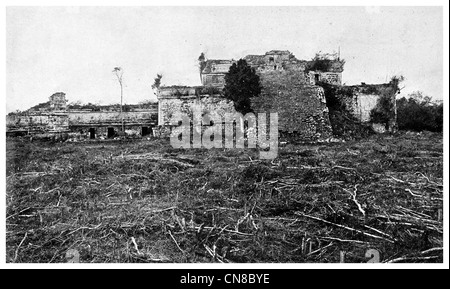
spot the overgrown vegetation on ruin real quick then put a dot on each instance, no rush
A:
(384, 111)
(157, 81)
(141, 201)
(343, 123)
(323, 62)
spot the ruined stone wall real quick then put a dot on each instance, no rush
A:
(364, 98)
(58, 101)
(170, 108)
(301, 107)
(363, 104)
(80, 121)
(38, 122)
(110, 118)
(358, 101)
(102, 131)
(213, 79)
(315, 77)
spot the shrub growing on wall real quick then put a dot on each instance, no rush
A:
(323, 62)
(157, 81)
(384, 111)
(343, 123)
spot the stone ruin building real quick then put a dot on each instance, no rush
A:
(291, 87)
(295, 89)
(56, 117)
(213, 73)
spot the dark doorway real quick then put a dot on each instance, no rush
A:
(316, 77)
(110, 132)
(92, 133)
(145, 130)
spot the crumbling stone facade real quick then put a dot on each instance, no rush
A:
(58, 101)
(298, 90)
(55, 117)
(170, 108)
(365, 98)
(301, 108)
(195, 102)
(213, 73)
(214, 70)
(359, 102)
(290, 87)
(286, 89)
(42, 122)
(101, 124)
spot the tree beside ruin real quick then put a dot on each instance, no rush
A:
(118, 71)
(241, 84)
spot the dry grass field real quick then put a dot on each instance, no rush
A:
(143, 201)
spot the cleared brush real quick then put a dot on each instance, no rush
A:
(143, 201)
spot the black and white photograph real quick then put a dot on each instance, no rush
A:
(275, 134)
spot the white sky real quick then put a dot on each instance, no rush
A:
(74, 50)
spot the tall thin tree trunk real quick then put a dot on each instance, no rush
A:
(121, 110)
(121, 103)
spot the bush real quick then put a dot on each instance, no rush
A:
(384, 111)
(418, 113)
(324, 62)
(241, 84)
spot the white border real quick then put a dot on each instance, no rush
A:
(443, 3)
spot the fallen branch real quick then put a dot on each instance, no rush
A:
(84, 228)
(379, 232)
(412, 259)
(412, 194)
(15, 214)
(222, 230)
(135, 245)
(344, 168)
(343, 241)
(212, 253)
(431, 250)
(150, 156)
(353, 194)
(320, 249)
(344, 227)
(162, 210)
(176, 243)
(18, 247)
